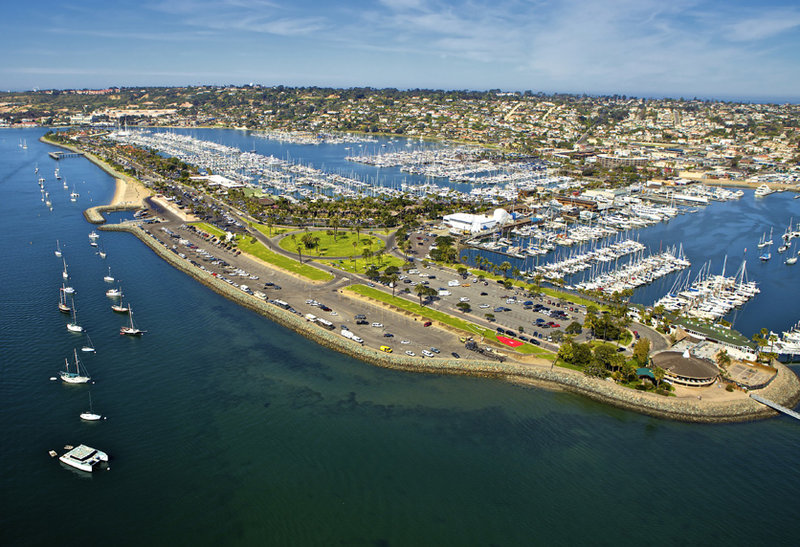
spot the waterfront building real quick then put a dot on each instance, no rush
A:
(685, 369)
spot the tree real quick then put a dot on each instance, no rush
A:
(421, 291)
(504, 267)
(723, 360)
(464, 307)
(574, 328)
(299, 246)
(659, 373)
(641, 351)
(607, 355)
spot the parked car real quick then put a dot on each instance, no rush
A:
(427, 324)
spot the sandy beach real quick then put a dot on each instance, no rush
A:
(129, 193)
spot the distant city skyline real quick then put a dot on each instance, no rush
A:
(709, 49)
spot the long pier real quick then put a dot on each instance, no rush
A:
(775, 406)
(59, 155)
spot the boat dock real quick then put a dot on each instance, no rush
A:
(775, 406)
(59, 155)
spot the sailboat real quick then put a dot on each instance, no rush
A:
(108, 278)
(792, 259)
(64, 274)
(74, 377)
(74, 195)
(74, 326)
(120, 308)
(90, 415)
(62, 300)
(88, 347)
(131, 330)
(58, 249)
(57, 174)
(102, 251)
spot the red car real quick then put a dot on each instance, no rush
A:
(427, 324)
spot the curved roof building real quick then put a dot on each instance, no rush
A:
(684, 369)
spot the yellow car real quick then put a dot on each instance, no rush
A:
(387, 349)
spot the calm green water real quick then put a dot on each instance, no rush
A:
(226, 429)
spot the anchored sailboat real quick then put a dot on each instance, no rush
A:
(108, 278)
(88, 347)
(90, 415)
(58, 249)
(77, 377)
(131, 330)
(73, 326)
(62, 300)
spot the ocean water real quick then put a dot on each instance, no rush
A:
(225, 429)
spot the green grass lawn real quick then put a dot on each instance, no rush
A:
(208, 228)
(436, 315)
(343, 246)
(269, 232)
(361, 265)
(258, 250)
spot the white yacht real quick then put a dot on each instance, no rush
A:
(84, 458)
(108, 278)
(763, 190)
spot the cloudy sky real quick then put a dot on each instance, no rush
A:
(679, 48)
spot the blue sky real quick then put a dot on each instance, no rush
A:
(686, 48)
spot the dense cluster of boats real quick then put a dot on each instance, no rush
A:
(307, 137)
(639, 271)
(786, 345)
(709, 296)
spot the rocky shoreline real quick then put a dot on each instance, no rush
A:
(784, 389)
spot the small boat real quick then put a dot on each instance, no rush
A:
(114, 293)
(77, 377)
(57, 174)
(131, 330)
(93, 235)
(84, 458)
(120, 308)
(62, 300)
(108, 278)
(74, 326)
(68, 290)
(93, 243)
(90, 415)
(88, 347)
(765, 257)
(101, 251)
(791, 261)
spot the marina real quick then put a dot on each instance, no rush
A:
(282, 398)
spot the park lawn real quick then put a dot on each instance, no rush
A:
(258, 250)
(361, 265)
(267, 231)
(343, 246)
(436, 315)
(208, 228)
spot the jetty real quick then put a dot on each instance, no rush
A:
(775, 406)
(57, 155)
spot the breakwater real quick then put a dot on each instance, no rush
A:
(785, 389)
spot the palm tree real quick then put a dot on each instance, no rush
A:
(393, 279)
(504, 267)
(299, 246)
(335, 223)
(366, 254)
(421, 291)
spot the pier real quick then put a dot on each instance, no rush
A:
(59, 155)
(775, 406)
